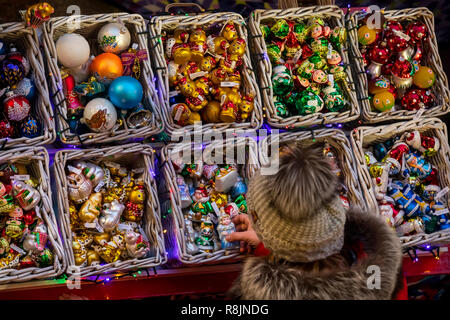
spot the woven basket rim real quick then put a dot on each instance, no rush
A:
(387, 131)
(150, 97)
(46, 210)
(41, 104)
(160, 66)
(152, 227)
(219, 256)
(265, 68)
(441, 84)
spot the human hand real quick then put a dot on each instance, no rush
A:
(244, 233)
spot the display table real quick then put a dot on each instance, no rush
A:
(166, 282)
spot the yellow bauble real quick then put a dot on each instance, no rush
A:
(366, 36)
(424, 77)
(378, 85)
(211, 113)
(106, 67)
(383, 101)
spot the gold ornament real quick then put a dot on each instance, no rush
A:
(211, 113)
(90, 210)
(135, 206)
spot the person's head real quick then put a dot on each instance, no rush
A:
(297, 212)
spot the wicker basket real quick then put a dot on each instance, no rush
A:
(246, 171)
(131, 155)
(431, 59)
(89, 27)
(285, 4)
(37, 158)
(336, 139)
(26, 41)
(364, 136)
(170, 22)
(335, 17)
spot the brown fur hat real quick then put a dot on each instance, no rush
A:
(297, 212)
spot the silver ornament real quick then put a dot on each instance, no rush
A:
(111, 215)
(91, 171)
(79, 188)
(114, 37)
(27, 196)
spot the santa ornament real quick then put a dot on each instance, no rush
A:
(427, 145)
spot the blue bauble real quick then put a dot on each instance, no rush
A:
(27, 88)
(125, 92)
(239, 188)
(30, 127)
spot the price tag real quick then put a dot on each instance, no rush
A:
(99, 186)
(229, 84)
(173, 93)
(442, 193)
(331, 79)
(201, 98)
(112, 164)
(21, 177)
(134, 46)
(178, 113)
(402, 35)
(196, 75)
(216, 208)
(330, 48)
(297, 55)
(90, 225)
(17, 249)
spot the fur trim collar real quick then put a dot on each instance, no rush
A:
(262, 279)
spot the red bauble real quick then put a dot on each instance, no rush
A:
(395, 42)
(16, 107)
(417, 31)
(379, 53)
(6, 129)
(414, 99)
(402, 68)
(29, 217)
(306, 51)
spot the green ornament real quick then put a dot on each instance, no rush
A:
(282, 110)
(308, 103)
(333, 98)
(319, 45)
(282, 81)
(338, 37)
(317, 60)
(431, 223)
(315, 88)
(274, 53)
(265, 30)
(301, 32)
(305, 70)
(45, 258)
(280, 29)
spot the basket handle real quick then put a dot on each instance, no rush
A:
(184, 5)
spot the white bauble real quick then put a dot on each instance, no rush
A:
(100, 115)
(114, 37)
(72, 50)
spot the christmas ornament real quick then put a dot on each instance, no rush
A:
(424, 77)
(16, 55)
(211, 113)
(114, 37)
(366, 35)
(383, 101)
(402, 72)
(11, 72)
(414, 99)
(181, 113)
(225, 228)
(74, 106)
(139, 117)
(37, 14)
(89, 88)
(30, 127)
(379, 54)
(100, 115)
(422, 143)
(72, 50)
(136, 246)
(106, 67)
(417, 31)
(26, 88)
(125, 92)
(132, 61)
(16, 107)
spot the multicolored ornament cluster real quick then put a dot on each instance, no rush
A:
(393, 57)
(107, 206)
(100, 91)
(205, 71)
(406, 184)
(211, 196)
(18, 92)
(308, 75)
(23, 233)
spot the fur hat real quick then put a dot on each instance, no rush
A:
(297, 212)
